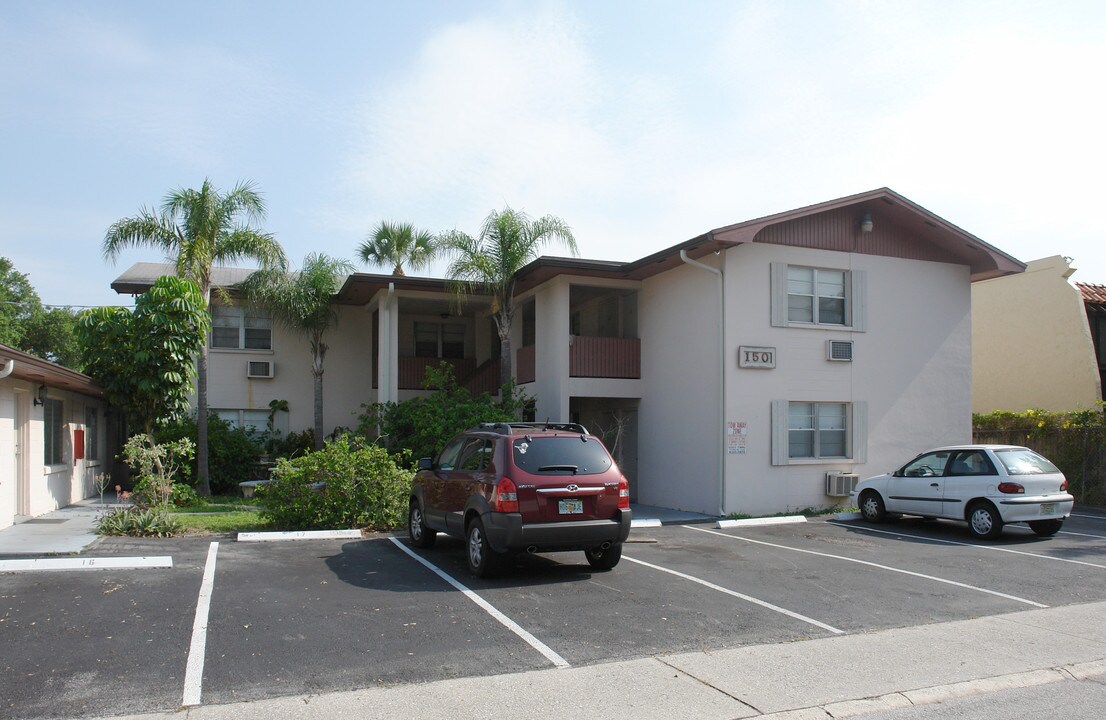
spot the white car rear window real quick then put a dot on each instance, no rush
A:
(1023, 461)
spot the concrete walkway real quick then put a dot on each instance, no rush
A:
(66, 531)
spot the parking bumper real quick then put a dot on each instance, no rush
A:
(506, 532)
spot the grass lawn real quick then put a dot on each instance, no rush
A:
(225, 522)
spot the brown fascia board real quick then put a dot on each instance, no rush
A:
(361, 288)
(33, 369)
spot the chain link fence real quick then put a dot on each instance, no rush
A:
(1080, 452)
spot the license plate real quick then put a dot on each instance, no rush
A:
(1048, 508)
(570, 507)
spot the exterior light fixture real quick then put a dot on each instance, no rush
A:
(866, 222)
(40, 397)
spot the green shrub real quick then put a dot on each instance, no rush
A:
(421, 426)
(231, 454)
(363, 486)
(138, 523)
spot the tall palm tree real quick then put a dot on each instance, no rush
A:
(302, 303)
(398, 243)
(508, 240)
(197, 230)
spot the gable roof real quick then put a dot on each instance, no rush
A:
(901, 228)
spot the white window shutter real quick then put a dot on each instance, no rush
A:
(860, 432)
(779, 295)
(859, 299)
(780, 449)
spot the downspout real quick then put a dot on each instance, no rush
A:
(721, 376)
(9, 366)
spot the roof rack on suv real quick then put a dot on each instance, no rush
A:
(507, 427)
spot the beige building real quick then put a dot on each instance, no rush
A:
(1031, 343)
(755, 368)
(53, 427)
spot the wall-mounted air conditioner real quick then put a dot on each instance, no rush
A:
(840, 484)
(839, 350)
(259, 369)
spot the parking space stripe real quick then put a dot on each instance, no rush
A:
(746, 598)
(507, 622)
(1069, 532)
(872, 564)
(1092, 517)
(964, 544)
(194, 671)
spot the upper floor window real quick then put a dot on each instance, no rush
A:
(439, 340)
(818, 297)
(240, 328)
(53, 432)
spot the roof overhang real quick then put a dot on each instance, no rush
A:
(35, 370)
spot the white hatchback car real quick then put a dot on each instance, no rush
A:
(986, 486)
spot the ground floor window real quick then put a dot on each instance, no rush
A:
(92, 434)
(811, 431)
(53, 432)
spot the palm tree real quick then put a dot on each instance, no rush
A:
(508, 240)
(398, 243)
(302, 303)
(197, 230)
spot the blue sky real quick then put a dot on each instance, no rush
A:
(640, 123)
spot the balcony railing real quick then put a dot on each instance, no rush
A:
(525, 364)
(604, 357)
(478, 379)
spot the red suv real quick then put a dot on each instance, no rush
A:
(511, 487)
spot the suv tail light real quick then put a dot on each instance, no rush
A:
(1011, 488)
(506, 496)
(623, 493)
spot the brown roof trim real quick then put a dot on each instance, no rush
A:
(43, 372)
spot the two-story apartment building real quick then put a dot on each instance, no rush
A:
(739, 371)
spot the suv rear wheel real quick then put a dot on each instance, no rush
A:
(421, 536)
(601, 559)
(482, 560)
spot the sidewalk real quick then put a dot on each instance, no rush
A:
(66, 531)
(835, 677)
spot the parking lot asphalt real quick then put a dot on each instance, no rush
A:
(734, 622)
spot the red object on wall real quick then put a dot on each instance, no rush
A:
(78, 444)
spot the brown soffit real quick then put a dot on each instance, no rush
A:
(43, 372)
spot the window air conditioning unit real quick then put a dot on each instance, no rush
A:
(840, 484)
(259, 369)
(839, 350)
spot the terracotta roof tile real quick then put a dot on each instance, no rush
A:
(1094, 295)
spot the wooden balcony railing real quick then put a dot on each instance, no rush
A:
(525, 365)
(604, 357)
(485, 378)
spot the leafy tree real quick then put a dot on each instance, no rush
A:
(419, 427)
(144, 360)
(508, 240)
(302, 303)
(52, 334)
(398, 243)
(197, 230)
(18, 303)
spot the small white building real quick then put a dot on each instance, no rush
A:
(53, 428)
(741, 371)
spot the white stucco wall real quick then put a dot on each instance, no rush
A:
(911, 367)
(347, 376)
(1031, 344)
(47, 487)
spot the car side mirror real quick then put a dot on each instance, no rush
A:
(426, 463)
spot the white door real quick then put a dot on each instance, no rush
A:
(22, 456)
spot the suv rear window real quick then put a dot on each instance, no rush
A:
(1023, 461)
(561, 456)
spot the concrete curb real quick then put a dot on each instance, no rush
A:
(299, 535)
(749, 522)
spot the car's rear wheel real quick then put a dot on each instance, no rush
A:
(601, 559)
(871, 507)
(421, 536)
(984, 521)
(1046, 528)
(482, 560)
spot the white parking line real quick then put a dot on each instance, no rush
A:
(872, 564)
(1092, 517)
(507, 622)
(194, 671)
(1069, 532)
(964, 544)
(747, 598)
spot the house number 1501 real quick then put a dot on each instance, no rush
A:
(756, 357)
